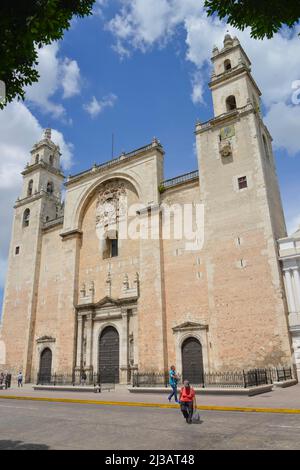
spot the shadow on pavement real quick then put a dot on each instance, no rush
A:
(20, 445)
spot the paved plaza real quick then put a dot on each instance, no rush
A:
(42, 425)
(31, 424)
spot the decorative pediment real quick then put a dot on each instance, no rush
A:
(107, 302)
(46, 339)
(190, 326)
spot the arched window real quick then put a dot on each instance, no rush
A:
(266, 147)
(37, 158)
(51, 160)
(230, 103)
(227, 64)
(30, 186)
(50, 187)
(26, 217)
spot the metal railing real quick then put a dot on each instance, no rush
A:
(180, 179)
(75, 379)
(150, 379)
(114, 161)
(228, 379)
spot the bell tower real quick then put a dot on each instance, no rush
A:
(232, 84)
(243, 220)
(43, 176)
(39, 203)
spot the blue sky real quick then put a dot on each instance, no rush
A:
(138, 71)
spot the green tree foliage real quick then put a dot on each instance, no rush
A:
(264, 17)
(26, 26)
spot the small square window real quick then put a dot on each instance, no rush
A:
(242, 182)
(17, 251)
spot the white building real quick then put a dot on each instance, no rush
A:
(289, 252)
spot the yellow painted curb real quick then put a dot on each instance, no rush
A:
(153, 405)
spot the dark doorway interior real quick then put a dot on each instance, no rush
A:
(45, 366)
(109, 355)
(192, 361)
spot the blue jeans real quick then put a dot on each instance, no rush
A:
(187, 408)
(174, 393)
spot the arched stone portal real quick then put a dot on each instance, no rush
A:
(45, 366)
(192, 361)
(109, 353)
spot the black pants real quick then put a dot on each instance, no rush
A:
(187, 409)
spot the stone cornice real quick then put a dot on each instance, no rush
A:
(75, 233)
(115, 163)
(46, 339)
(225, 51)
(51, 224)
(29, 199)
(44, 166)
(224, 119)
(228, 75)
(107, 302)
(190, 326)
(45, 143)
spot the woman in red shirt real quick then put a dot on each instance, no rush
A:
(187, 401)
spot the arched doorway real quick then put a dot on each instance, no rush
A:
(192, 361)
(109, 355)
(45, 366)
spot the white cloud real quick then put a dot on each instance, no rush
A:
(284, 122)
(56, 75)
(95, 107)
(275, 63)
(99, 7)
(70, 78)
(19, 130)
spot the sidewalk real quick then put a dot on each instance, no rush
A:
(287, 398)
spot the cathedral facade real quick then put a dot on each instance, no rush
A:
(106, 282)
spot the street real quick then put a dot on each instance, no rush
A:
(43, 425)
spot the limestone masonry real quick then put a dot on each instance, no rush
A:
(80, 296)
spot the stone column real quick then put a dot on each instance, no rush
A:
(89, 341)
(296, 276)
(135, 337)
(124, 348)
(289, 289)
(79, 343)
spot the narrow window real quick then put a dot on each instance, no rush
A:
(51, 160)
(111, 249)
(114, 248)
(17, 251)
(227, 64)
(30, 186)
(26, 218)
(230, 103)
(50, 187)
(242, 182)
(37, 159)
